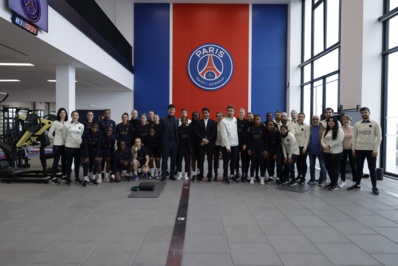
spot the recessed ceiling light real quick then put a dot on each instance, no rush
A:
(16, 64)
(53, 80)
(9, 80)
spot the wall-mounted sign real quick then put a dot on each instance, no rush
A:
(24, 24)
(210, 67)
(32, 11)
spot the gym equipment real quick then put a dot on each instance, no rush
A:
(28, 130)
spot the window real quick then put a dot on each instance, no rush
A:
(320, 65)
(390, 87)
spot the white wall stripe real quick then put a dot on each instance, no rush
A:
(171, 56)
(249, 85)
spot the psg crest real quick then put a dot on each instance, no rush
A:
(210, 67)
(31, 9)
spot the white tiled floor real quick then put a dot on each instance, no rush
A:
(236, 224)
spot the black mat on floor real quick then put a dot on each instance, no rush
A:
(149, 194)
(299, 188)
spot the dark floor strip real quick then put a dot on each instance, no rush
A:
(176, 249)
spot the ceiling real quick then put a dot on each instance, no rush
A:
(18, 46)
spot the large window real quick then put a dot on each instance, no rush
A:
(320, 67)
(390, 85)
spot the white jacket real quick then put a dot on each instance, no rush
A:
(57, 127)
(336, 145)
(73, 133)
(289, 146)
(229, 132)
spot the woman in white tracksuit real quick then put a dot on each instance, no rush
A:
(55, 134)
(73, 132)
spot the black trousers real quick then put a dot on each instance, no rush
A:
(169, 150)
(288, 168)
(216, 154)
(302, 164)
(229, 159)
(72, 155)
(92, 164)
(332, 162)
(343, 165)
(360, 157)
(183, 154)
(205, 150)
(258, 160)
(270, 162)
(59, 154)
(244, 159)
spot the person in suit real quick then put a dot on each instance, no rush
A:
(169, 142)
(207, 135)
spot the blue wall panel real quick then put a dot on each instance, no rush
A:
(151, 57)
(269, 38)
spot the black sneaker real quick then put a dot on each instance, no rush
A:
(375, 191)
(234, 179)
(333, 188)
(302, 181)
(68, 181)
(269, 180)
(55, 181)
(285, 182)
(328, 185)
(354, 187)
(293, 183)
(85, 183)
(94, 181)
(126, 178)
(311, 182)
(193, 178)
(78, 181)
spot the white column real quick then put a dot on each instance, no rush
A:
(361, 47)
(65, 92)
(293, 73)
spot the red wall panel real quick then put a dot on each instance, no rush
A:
(198, 24)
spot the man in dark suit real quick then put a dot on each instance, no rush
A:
(207, 133)
(169, 142)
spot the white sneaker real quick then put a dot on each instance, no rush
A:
(252, 180)
(342, 184)
(261, 181)
(106, 179)
(179, 176)
(186, 176)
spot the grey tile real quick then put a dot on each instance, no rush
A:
(391, 233)
(203, 243)
(65, 253)
(374, 243)
(387, 259)
(389, 214)
(253, 254)
(354, 209)
(159, 234)
(204, 227)
(352, 227)
(106, 258)
(311, 259)
(13, 258)
(238, 220)
(207, 259)
(245, 234)
(332, 215)
(291, 244)
(278, 227)
(152, 254)
(86, 232)
(375, 221)
(34, 242)
(324, 235)
(306, 220)
(272, 215)
(346, 254)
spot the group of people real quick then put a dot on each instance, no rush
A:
(250, 147)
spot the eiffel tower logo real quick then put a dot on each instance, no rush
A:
(210, 71)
